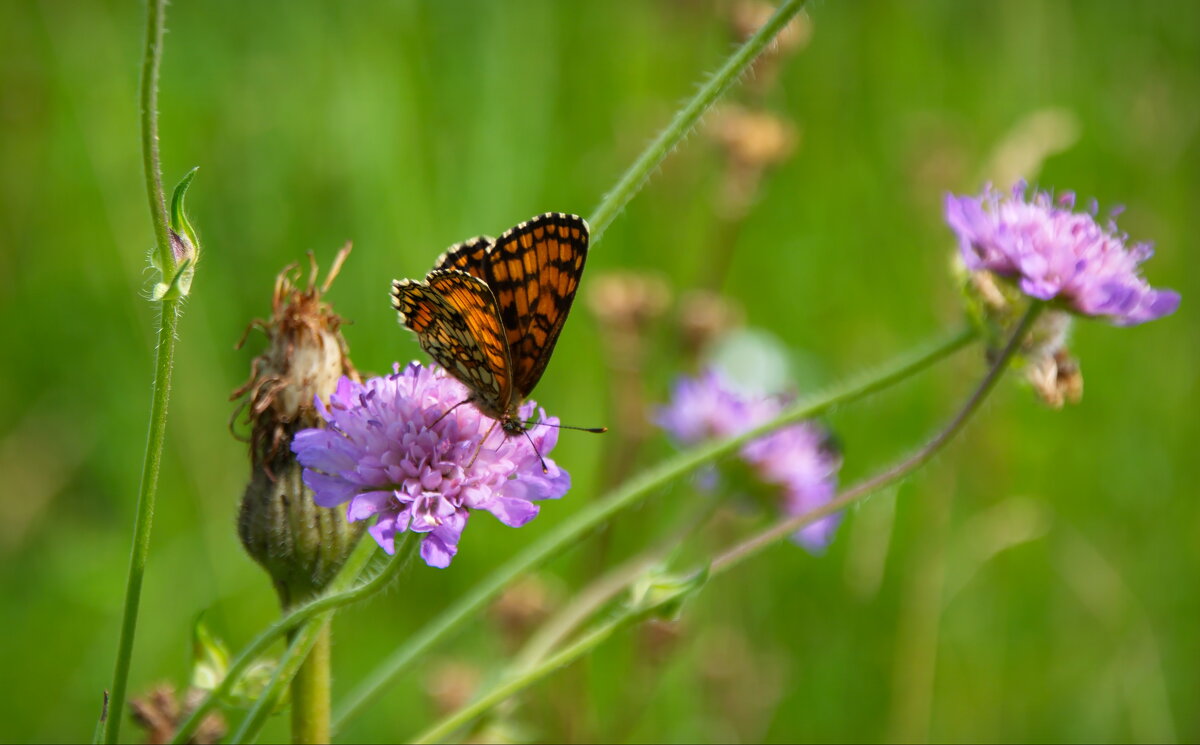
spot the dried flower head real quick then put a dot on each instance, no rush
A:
(1055, 254)
(305, 356)
(160, 713)
(451, 684)
(753, 141)
(521, 608)
(747, 17)
(628, 301)
(704, 317)
(994, 306)
(392, 450)
(299, 544)
(798, 459)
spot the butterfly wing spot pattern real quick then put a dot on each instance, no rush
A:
(491, 311)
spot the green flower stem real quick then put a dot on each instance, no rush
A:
(165, 357)
(528, 675)
(506, 688)
(594, 513)
(785, 528)
(344, 589)
(156, 12)
(633, 179)
(311, 691)
(600, 591)
(308, 713)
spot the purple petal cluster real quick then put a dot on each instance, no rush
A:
(797, 458)
(389, 452)
(1055, 253)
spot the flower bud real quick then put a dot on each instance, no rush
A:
(995, 306)
(301, 545)
(177, 269)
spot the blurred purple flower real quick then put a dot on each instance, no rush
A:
(385, 453)
(1055, 253)
(797, 458)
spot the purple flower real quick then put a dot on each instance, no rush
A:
(797, 458)
(388, 451)
(1055, 253)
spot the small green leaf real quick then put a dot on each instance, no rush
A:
(661, 594)
(180, 286)
(210, 657)
(179, 221)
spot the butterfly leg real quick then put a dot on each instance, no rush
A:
(482, 440)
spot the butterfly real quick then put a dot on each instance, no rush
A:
(490, 311)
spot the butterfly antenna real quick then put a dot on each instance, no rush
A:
(594, 430)
(535, 450)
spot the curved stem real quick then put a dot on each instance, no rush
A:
(599, 592)
(342, 592)
(898, 471)
(633, 179)
(303, 641)
(531, 674)
(506, 688)
(164, 360)
(151, 169)
(595, 513)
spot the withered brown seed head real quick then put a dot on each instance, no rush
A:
(305, 356)
(704, 317)
(748, 16)
(753, 139)
(521, 607)
(628, 300)
(159, 714)
(451, 684)
(1056, 378)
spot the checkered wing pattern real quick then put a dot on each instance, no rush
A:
(454, 317)
(533, 271)
(468, 256)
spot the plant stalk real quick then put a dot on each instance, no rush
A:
(164, 360)
(632, 180)
(310, 693)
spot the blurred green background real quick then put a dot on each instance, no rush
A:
(1037, 582)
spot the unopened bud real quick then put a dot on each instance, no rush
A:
(995, 306)
(177, 270)
(301, 545)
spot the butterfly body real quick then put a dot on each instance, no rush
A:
(491, 311)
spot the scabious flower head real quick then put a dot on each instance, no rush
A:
(797, 459)
(1056, 254)
(388, 451)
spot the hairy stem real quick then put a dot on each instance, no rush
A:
(594, 513)
(633, 179)
(165, 356)
(898, 471)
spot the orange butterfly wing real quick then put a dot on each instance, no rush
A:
(468, 256)
(533, 271)
(454, 317)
